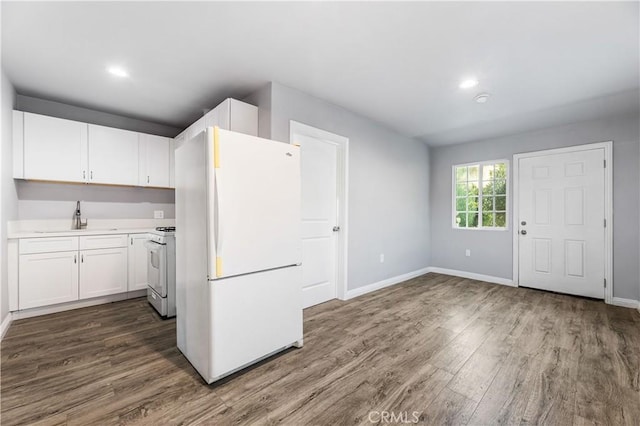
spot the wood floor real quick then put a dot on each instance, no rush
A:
(455, 351)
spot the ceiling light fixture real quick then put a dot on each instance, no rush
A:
(482, 98)
(118, 71)
(468, 84)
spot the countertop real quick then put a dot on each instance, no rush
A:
(78, 232)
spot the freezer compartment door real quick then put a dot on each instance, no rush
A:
(253, 316)
(255, 205)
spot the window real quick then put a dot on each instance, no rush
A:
(480, 195)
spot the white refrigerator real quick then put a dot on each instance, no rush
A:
(238, 250)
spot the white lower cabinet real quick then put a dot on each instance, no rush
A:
(53, 270)
(137, 262)
(47, 279)
(103, 272)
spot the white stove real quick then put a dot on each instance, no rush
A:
(161, 271)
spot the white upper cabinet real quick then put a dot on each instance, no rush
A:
(54, 149)
(113, 156)
(172, 163)
(154, 164)
(234, 115)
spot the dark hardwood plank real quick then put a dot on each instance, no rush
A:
(456, 351)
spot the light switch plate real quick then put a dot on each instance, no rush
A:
(158, 214)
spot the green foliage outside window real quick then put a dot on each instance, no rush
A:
(481, 196)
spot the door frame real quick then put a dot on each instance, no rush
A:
(342, 182)
(608, 207)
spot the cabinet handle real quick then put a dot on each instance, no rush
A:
(131, 240)
(75, 258)
(84, 174)
(82, 258)
(147, 179)
(91, 174)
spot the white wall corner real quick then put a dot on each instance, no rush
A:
(385, 283)
(625, 303)
(473, 276)
(4, 326)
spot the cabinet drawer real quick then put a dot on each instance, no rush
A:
(48, 244)
(103, 241)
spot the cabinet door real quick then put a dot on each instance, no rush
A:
(54, 149)
(103, 272)
(172, 162)
(113, 156)
(137, 262)
(154, 161)
(47, 278)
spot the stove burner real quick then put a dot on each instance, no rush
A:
(166, 228)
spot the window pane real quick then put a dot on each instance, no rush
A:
(461, 189)
(501, 187)
(473, 204)
(501, 220)
(501, 203)
(487, 187)
(500, 171)
(487, 219)
(461, 174)
(487, 172)
(461, 220)
(487, 203)
(472, 187)
(461, 204)
(472, 220)
(474, 172)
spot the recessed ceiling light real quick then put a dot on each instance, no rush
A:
(118, 71)
(481, 98)
(468, 84)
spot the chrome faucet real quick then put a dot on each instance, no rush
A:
(78, 222)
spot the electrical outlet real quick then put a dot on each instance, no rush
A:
(158, 214)
(467, 253)
(382, 258)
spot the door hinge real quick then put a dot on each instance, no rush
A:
(605, 223)
(605, 163)
(605, 283)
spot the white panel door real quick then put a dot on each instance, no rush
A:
(319, 216)
(154, 164)
(54, 149)
(561, 222)
(113, 156)
(103, 272)
(47, 279)
(255, 205)
(137, 262)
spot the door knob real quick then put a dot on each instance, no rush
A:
(336, 228)
(523, 232)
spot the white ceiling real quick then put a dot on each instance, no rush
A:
(397, 63)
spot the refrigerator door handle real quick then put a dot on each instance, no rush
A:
(219, 223)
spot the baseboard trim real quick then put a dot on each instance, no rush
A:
(473, 276)
(4, 326)
(384, 283)
(626, 303)
(45, 310)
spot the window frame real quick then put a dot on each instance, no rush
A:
(480, 195)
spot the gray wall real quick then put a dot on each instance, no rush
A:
(39, 200)
(388, 185)
(71, 112)
(492, 250)
(8, 196)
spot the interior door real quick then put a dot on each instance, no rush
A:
(319, 216)
(255, 205)
(561, 222)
